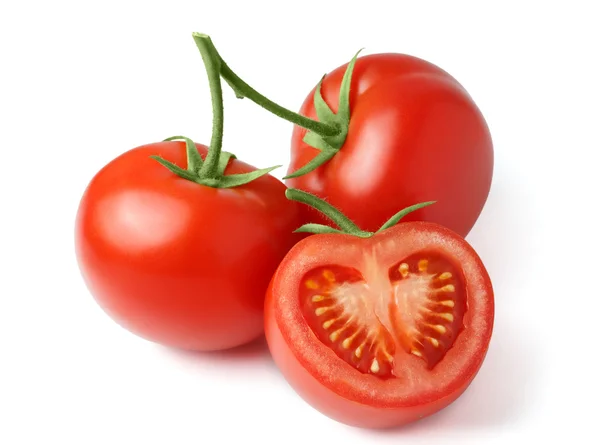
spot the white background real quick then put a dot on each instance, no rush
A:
(82, 82)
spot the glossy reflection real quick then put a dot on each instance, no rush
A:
(138, 220)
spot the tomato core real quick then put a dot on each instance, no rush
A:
(386, 322)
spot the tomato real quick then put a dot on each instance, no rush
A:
(414, 135)
(380, 331)
(180, 263)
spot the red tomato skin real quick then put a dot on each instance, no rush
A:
(179, 263)
(333, 398)
(415, 135)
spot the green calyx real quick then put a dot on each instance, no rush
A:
(195, 163)
(329, 145)
(346, 226)
(327, 134)
(211, 170)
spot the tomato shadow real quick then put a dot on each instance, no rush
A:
(254, 353)
(504, 388)
(505, 233)
(498, 398)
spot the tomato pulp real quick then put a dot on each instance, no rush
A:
(381, 331)
(414, 135)
(176, 262)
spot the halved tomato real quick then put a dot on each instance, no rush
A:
(384, 330)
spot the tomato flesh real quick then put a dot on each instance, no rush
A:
(381, 331)
(340, 308)
(428, 305)
(417, 309)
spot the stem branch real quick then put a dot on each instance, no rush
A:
(245, 90)
(212, 63)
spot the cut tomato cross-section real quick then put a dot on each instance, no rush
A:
(381, 330)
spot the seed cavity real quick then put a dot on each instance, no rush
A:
(416, 352)
(433, 341)
(329, 275)
(348, 341)
(447, 288)
(311, 284)
(336, 334)
(438, 328)
(375, 366)
(403, 268)
(358, 351)
(375, 319)
(328, 323)
(445, 316)
(321, 310)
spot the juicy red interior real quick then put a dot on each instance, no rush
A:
(380, 318)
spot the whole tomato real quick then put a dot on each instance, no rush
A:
(178, 241)
(177, 262)
(410, 133)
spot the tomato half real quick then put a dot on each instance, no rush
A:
(414, 135)
(381, 331)
(176, 262)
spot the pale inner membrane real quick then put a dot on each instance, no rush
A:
(368, 303)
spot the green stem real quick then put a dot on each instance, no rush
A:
(244, 90)
(211, 171)
(212, 63)
(341, 220)
(402, 213)
(327, 134)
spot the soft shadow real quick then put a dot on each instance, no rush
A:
(504, 233)
(498, 397)
(256, 351)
